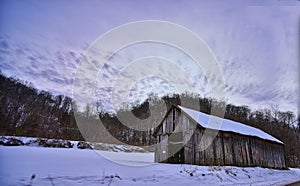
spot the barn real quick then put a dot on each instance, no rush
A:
(185, 136)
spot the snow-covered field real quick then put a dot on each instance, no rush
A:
(25, 165)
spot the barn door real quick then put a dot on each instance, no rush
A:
(175, 148)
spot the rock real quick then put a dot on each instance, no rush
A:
(42, 142)
(13, 142)
(83, 145)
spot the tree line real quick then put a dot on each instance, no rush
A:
(26, 111)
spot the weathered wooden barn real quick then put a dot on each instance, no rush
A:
(179, 138)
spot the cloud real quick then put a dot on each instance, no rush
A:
(256, 47)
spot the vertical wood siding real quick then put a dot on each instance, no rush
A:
(227, 148)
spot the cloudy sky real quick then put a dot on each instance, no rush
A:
(256, 45)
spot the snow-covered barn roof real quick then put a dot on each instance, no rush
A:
(226, 125)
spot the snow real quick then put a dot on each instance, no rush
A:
(71, 166)
(211, 122)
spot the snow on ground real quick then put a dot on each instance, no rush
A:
(71, 166)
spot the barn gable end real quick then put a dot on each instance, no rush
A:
(179, 138)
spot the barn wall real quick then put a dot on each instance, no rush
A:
(169, 123)
(218, 150)
(188, 127)
(229, 158)
(240, 150)
(161, 149)
(267, 154)
(233, 149)
(196, 153)
(209, 151)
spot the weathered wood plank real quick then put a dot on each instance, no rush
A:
(218, 150)
(227, 148)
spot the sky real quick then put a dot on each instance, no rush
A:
(255, 43)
